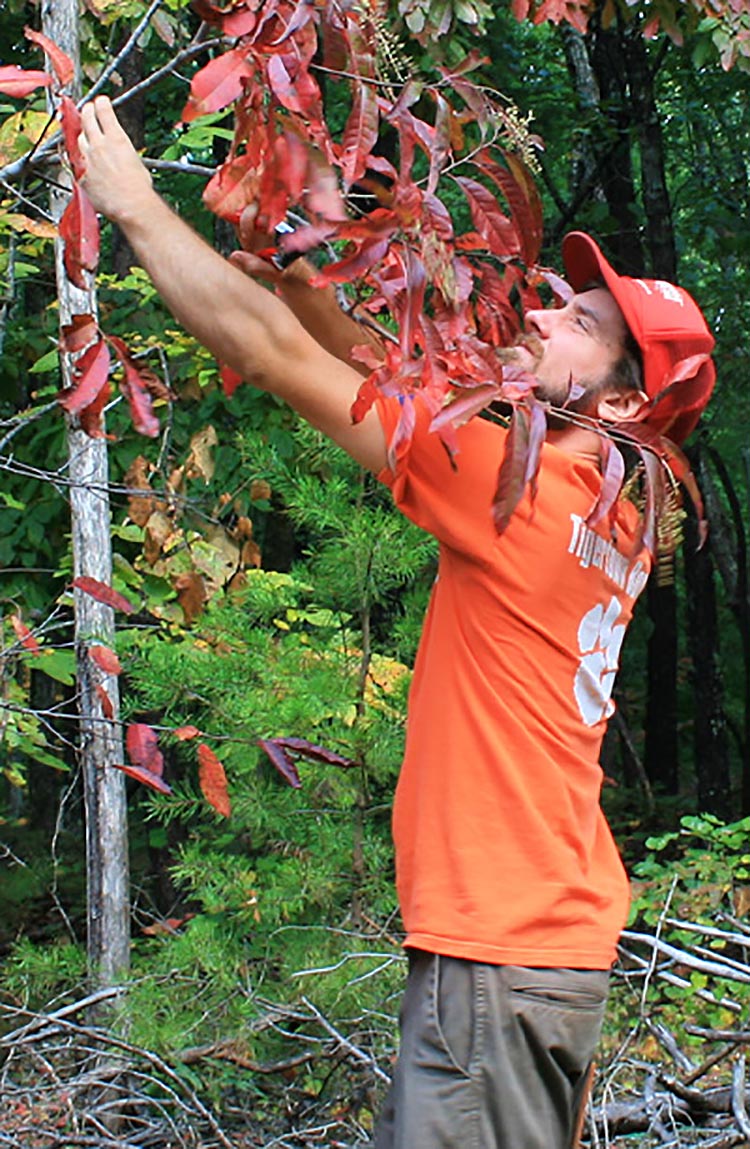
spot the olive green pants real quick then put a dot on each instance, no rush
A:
(492, 1057)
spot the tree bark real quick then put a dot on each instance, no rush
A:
(100, 738)
(710, 740)
(661, 757)
(654, 192)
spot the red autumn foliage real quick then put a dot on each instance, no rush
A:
(103, 593)
(79, 229)
(142, 744)
(454, 298)
(70, 119)
(24, 635)
(62, 65)
(185, 733)
(105, 659)
(147, 760)
(283, 753)
(20, 82)
(135, 386)
(213, 780)
(108, 709)
(90, 377)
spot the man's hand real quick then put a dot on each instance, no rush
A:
(116, 181)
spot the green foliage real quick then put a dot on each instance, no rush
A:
(707, 856)
(35, 975)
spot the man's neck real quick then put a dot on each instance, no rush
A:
(578, 441)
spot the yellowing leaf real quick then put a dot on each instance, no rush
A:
(200, 462)
(41, 228)
(20, 132)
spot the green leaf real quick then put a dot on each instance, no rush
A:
(48, 362)
(9, 501)
(57, 664)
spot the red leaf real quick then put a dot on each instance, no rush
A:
(184, 733)
(368, 389)
(232, 187)
(511, 481)
(154, 781)
(283, 762)
(235, 21)
(465, 406)
(24, 635)
(90, 375)
(79, 228)
(220, 83)
(314, 753)
(353, 266)
(19, 82)
(70, 119)
(213, 780)
(90, 418)
(403, 432)
(299, 92)
(103, 593)
(613, 474)
(135, 388)
(323, 196)
(105, 659)
(360, 133)
(80, 333)
(489, 221)
(442, 141)
(108, 709)
(62, 65)
(143, 748)
(301, 16)
(523, 198)
(230, 380)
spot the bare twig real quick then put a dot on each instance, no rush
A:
(346, 1045)
(738, 1096)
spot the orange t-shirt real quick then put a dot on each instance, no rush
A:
(503, 854)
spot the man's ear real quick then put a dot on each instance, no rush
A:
(618, 406)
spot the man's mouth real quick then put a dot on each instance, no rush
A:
(526, 352)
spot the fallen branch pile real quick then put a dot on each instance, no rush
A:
(66, 1081)
(680, 1100)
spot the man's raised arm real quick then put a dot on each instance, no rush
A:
(241, 323)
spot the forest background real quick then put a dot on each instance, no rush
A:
(249, 958)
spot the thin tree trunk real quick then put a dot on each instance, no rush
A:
(661, 757)
(655, 194)
(100, 739)
(710, 737)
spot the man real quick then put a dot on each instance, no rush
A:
(511, 888)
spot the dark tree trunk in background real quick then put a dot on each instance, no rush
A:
(661, 757)
(729, 548)
(654, 192)
(131, 115)
(613, 142)
(710, 735)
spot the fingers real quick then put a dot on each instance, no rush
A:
(254, 266)
(99, 120)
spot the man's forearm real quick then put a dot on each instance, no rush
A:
(319, 312)
(244, 325)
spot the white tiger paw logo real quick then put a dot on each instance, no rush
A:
(599, 641)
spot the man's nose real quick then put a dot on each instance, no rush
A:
(538, 321)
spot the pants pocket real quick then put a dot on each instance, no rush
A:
(560, 988)
(455, 1009)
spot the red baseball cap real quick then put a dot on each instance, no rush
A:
(669, 328)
